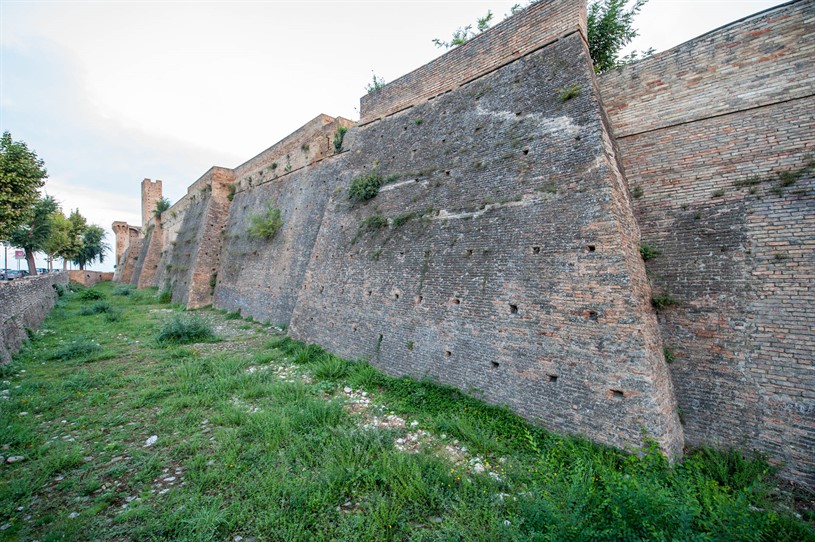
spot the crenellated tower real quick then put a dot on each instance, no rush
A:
(150, 195)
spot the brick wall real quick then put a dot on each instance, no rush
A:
(259, 277)
(129, 260)
(514, 37)
(26, 303)
(191, 247)
(150, 254)
(704, 130)
(767, 58)
(510, 266)
(87, 278)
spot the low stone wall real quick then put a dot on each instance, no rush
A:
(26, 303)
(88, 278)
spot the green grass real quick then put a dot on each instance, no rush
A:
(263, 441)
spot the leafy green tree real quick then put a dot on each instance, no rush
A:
(93, 246)
(611, 27)
(59, 237)
(32, 235)
(78, 225)
(161, 205)
(22, 174)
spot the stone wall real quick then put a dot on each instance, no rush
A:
(87, 278)
(716, 136)
(262, 278)
(502, 254)
(509, 265)
(191, 249)
(26, 303)
(539, 25)
(127, 266)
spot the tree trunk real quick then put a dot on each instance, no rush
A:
(81, 266)
(32, 265)
(64, 264)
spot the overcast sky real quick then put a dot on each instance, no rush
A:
(108, 93)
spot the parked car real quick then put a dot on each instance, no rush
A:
(13, 274)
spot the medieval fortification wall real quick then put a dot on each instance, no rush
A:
(718, 138)
(502, 255)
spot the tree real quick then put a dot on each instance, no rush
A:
(22, 174)
(610, 28)
(33, 234)
(93, 246)
(59, 237)
(375, 85)
(161, 205)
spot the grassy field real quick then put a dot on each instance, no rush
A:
(139, 421)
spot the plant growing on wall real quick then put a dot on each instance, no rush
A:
(339, 135)
(230, 194)
(610, 29)
(464, 34)
(365, 187)
(375, 85)
(161, 205)
(265, 225)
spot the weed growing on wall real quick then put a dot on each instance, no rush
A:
(265, 225)
(339, 135)
(648, 252)
(365, 187)
(161, 205)
(566, 94)
(369, 225)
(663, 301)
(375, 85)
(230, 191)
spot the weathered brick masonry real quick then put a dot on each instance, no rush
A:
(502, 256)
(705, 129)
(25, 304)
(192, 249)
(264, 278)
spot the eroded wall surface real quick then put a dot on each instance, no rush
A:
(509, 265)
(190, 251)
(502, 255)
(716, 137)
(259, 277)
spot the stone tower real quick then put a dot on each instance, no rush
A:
(150, 195)
(121, 230)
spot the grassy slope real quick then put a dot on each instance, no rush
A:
(262, 437)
